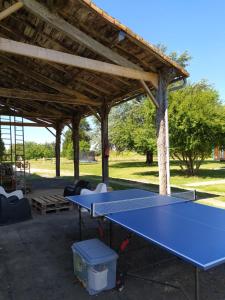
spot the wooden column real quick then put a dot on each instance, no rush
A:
(76, 148)
(104, 114)
(58, 129)
(163, 135)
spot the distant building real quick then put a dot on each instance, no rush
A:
(219, 153)
(87, 156)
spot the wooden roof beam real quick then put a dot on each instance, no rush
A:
(77, 35)
(25, 124)
(23, 69)
(27, 50)
(8, 11)
(30, 115)
(22, 108)
(46, 97)
(28, 106)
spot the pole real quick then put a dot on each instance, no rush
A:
(105, 143)
(76, 148)
(196, 284)
(167, 149)
(58, 128)
(163, 135)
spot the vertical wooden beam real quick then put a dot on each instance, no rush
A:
(163, 135)
(58, 129)
(104, 114)
(76, 148)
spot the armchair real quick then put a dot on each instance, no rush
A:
(17, 193)
(13, 209)
(101, 188)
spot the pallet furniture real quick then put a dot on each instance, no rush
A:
(45, 204)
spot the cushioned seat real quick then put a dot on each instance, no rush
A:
(101, 188)
(17, 193)
(72, 190)
(13, 209)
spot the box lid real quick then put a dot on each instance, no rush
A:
(94, 251)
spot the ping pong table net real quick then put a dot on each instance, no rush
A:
(99, 209)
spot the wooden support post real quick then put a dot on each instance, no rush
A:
(163, 135)
(76, 149)
(104, 113)
(58, 128)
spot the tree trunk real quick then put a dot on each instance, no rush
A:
(149, 157)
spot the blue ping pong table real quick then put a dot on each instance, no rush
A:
(191, 231)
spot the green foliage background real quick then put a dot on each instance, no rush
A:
(34, 150)
(132, 127)
(196, 122)
(67, 148)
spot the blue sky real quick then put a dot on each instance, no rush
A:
(197, 26)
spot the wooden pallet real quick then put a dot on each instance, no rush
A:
(46, 204)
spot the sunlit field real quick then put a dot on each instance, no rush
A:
(130, 166)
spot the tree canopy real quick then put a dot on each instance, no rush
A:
(196, 122)
(182, 59)
(84, 136)
(2, 148)
(132, 127)
(34, 150)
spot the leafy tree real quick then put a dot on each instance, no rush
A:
(95, 135)
(196, 119)
(49, 150)
(120, 127)
(182, 59)
(132, 127)
(221, 137)
(84, 146)
(67, 149)
(2, 148)
(34, 150)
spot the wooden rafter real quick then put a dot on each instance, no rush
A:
(25, 124)
(22, 68)
(74, 33)
(35, 112)
(51, 132)
(42, 122)
(27, 50)
(8, 11)
(29, 115)
(77, 35)
(46, 97)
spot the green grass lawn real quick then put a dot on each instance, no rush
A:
(131, 166)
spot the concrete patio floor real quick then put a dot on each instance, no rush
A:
(36, 264)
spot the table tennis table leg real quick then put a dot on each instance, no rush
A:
(196, 283)
(110, 234)
(80, 223)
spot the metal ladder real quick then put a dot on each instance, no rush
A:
(7, 157)
(19, 154)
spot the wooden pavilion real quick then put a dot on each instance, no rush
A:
(63, 60)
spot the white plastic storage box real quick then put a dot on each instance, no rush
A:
(94, 265)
